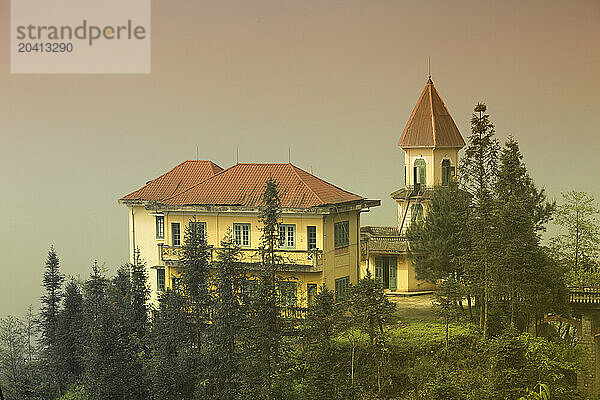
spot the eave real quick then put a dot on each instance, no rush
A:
(357, 205)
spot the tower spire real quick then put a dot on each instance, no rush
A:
(429, 66)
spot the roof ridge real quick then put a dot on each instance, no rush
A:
(450, 115)
(412, 115)
(263, 163)
(304, 183)
(157, 178)
(328, 183)
(197, 184)
(213, 165)
(430, 85)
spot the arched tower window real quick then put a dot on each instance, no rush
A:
(416, 213)
(446, 172)
(419, 170)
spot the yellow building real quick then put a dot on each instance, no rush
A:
(431, 142)
(319, 230)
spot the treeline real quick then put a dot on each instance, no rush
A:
(218, 336)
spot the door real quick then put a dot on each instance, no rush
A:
(311, 289)
(393, 272)
(386, 272)
(379, 266)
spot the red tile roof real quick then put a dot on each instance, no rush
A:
(183, 176)
(243, 185)
(430, 124)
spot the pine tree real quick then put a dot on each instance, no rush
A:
(173, 361)
(104, 345)
(113, 367)
(140, 294)
(194, 267)
(129, 348)
(265, 331)
(96, 338)
(13, 350)
(438, 245)
(370, 311)
(479, 170)
(521, 211)
(70, 336)
(52, 283)
(229, 319)
(323, 321)
(578, 246)
(447, 297)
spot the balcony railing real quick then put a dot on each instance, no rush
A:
(292, 259)
(584, 295)
(389, 238)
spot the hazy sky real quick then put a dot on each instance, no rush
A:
(333, 80)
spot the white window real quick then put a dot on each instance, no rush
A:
(287, 236)
(160, 226)
(447, 172)
(311, 232)
(160, 279)
(198, 228)
(416, 213)
(420, 168)
(241, 234)
(341, 235)
(175, 234)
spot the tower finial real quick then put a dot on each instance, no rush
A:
(429, 66)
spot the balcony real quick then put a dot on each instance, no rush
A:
(292, 260)
(382, 240)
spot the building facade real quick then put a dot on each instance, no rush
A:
(319, 230)
(430, 142)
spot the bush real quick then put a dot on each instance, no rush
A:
(75, 393)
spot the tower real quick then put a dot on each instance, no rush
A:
(431, 142)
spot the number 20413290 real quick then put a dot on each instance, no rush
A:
(45, 47)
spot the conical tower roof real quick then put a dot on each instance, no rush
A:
(430, 124)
